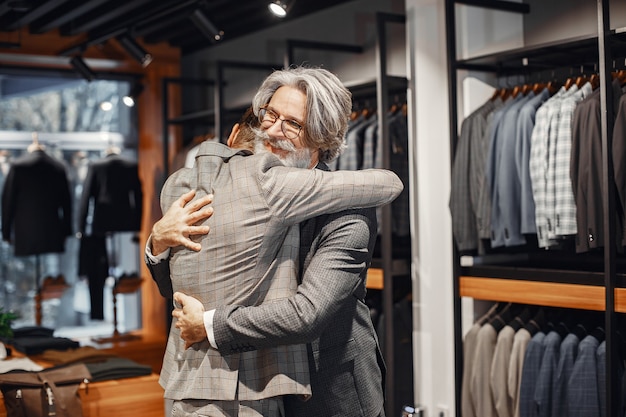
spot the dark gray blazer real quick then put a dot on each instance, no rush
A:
(346, 366)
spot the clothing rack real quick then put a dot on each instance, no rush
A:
(544, 285)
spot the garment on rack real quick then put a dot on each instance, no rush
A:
(582, 392)
(36, 205)
(499, 372)
(112, 197)
(467, 178)
(586, 168)
(505, 182)
(516, 365)
(364, 150)
(542, 172)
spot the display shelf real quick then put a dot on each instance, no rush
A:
(552, 294)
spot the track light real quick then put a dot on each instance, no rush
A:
(80, 67)
(205, 26)
(130, 98)
(278, 8)
(135, 50)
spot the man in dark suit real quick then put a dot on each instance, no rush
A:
(328, 310)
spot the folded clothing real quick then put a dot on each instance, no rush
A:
(116, 368)
(84, 354)
(33, 345)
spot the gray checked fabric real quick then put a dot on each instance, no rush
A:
(567, 356)
(251, 257)
(464, 184)
(564, 215)
(545, 378)
(538, 164)
(619, 369)
(582, 388)
(554, 114)
(530, 373)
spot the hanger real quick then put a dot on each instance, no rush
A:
(598, 333)
(569, 82)
(537, 323)
(35, 145)
(581, 80)
(521, 319)
(594, 80)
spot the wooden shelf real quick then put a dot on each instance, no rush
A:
(584, 297)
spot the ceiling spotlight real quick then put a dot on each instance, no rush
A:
(130, 98)
(81, 67)
(278, 8)
(205, 26)
(135, 50)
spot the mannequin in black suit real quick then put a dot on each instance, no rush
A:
(113, 187)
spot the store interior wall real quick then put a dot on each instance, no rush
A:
(555, 20)
(352, 23)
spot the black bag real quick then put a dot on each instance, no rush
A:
(51, 392)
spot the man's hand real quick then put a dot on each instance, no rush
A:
(178, 223)
(189, 319)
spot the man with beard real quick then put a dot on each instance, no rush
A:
(304, 113)
(250, 257)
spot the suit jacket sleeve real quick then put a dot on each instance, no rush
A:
(161, 275)
(299, 194)
(334, 277)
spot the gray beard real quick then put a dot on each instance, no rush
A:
(296, 158)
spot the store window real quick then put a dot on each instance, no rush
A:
(77, 125)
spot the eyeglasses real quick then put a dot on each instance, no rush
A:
(290, 128)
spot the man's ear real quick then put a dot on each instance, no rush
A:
(232, 138)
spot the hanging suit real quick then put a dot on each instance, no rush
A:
(113, 187)
(36, 205)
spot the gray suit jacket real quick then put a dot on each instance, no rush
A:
(346, 366)
(249, 258)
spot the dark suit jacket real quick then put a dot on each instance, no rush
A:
(346, 365)
(113, 186)
(36, 205)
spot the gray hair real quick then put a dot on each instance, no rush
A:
(328, 106)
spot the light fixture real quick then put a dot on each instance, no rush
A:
(81, 67)
(135, 50)
(205, 26)
(278, 8)
(130, 98)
